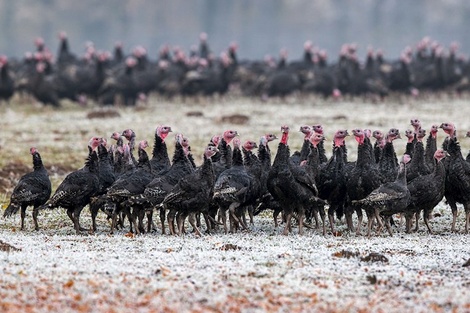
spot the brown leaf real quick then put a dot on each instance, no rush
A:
(129, 235)
(68, 284)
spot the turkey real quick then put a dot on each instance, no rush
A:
(193, 193)
(388, 164)
(332, 177)
(254, 167)
(293, 195)
(160, 160)
(431, 146)
(426, 192)
(163, 183)
(363, 179)
(312, 166)
(304, 151)
(33, 188)
(7, 84)
(457, 186)
(410, 144)
(106, 177)
(223, 159)
(282, 82)
(204, 49)
(234, 189)
(123, 83)
(77, 189)
(130, 184)
(64, 56)
(418, 165)
(321, 148)
(43, 87)
(388, 199)
(129, 134)
(266, 200)
(378, 145)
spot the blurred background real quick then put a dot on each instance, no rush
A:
(259, 27)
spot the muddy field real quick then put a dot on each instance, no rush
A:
(255, 271)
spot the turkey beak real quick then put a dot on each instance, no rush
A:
(398, 136)
(255, 145)
(446, 154)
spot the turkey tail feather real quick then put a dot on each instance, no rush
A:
(11, 210)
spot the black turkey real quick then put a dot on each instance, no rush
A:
(163, 182)
(130, 184)
(363, 179)
(388, 199)
(33, 188)
(7, 84)
(233, 189)
(77, 189)
(293, 195)
(332, 177)
(193, 193)
(457, 186)
(426, 192)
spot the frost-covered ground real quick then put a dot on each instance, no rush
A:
(255, 271)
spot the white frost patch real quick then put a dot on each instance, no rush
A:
(265, 270)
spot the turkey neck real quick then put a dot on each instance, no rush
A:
(144, 160)
(401, 178)
(179, 153)
(103, 154)
(264, 156)
(453, 148)
(439, 169)
(225, 153)
(285, 137)
(364, 155)
(313, 161)
(160, 152)
(4, 72)
(237, 158)
(282, 155)
(206, 169)
(37, 162)
(249, 158)
(431, 147)
(92, 161)
(389, 150)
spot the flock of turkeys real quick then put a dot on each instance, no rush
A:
(237, 182)
(125, 78)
